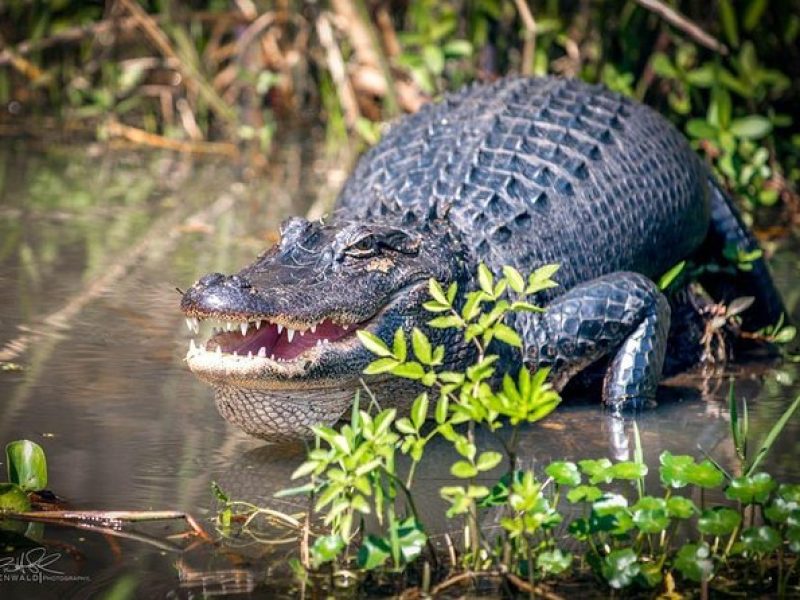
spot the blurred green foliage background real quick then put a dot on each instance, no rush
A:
(217, 76)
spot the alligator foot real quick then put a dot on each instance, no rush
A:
(623, 316)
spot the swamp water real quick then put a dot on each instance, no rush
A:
(92, 247)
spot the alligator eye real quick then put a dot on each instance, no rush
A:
(363, 248)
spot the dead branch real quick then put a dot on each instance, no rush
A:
(336, 66)
(529, 47)
(679, 21)
(353, 18)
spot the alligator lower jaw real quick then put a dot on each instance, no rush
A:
(263, 352)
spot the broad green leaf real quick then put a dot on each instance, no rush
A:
(326, 548)
(382, 365)
(620, 567)
(701, 129)
(554, 561)
(399, 345)
(674, 469)
(504, 333)
(705, 475)
(681, 508)
(422, 347)
(584, 493)
(12, 498)
(373, 343)
(515, 279)
(488, 460)
(628, 470)
(305, 469)
(485, 278)
(780, 510)
(412, 539)
(442, 406)
(419, 410)
(751, 489)
(27, 465)
(753, 127)
(703, 76)
(373, 553)
(609, 504)
(458, 49)
(694, 562)
(651, 520)
(662, 66)
(718, 521)
(409, 370)
(436, 292)
(760, 540)
(598, 470)
(564, 473)
(445, 322)
(463, 470)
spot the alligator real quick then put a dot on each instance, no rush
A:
(521, 172)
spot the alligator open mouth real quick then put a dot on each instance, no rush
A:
(264, 340)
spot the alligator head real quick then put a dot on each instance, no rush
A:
(284, 354)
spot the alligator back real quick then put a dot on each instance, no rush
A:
(533, 171)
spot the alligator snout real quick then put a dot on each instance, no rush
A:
(215, 292)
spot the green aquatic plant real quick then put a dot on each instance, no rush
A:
(594, 517)
(27, 472)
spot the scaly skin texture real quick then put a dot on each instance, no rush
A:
(523, 172)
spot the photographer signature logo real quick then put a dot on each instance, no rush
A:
(34, 565)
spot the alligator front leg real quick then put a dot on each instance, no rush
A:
(623, 316)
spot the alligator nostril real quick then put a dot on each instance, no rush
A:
(211, 279)
(240, 282)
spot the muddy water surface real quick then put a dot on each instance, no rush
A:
(92, 247)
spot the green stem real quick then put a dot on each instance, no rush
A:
(531, 577)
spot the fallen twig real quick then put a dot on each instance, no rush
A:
(107, 522)
(679, 21)
(145, 138)
(523, 585)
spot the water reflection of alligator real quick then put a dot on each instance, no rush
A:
(521, 172)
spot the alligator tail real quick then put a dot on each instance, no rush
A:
(728, 231)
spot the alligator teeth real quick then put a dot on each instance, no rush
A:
(258, 325)
(345, 327)
(272, 357)
(250, 354)
(192, 348)
(262, 353)
(289, 334)
(189, 324)
(219, 350)
(313, 328)
(280, 328)
(243, 327)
